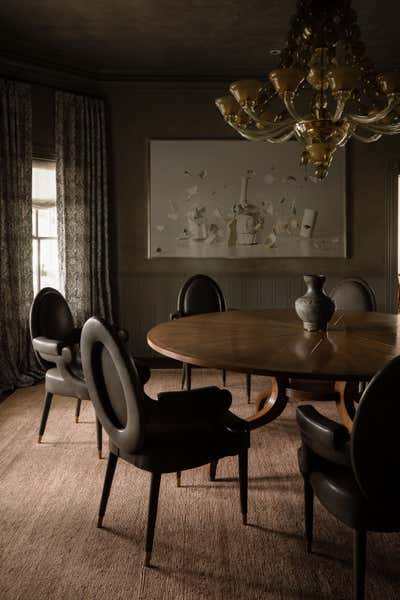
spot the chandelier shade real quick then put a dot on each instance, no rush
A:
(324, 92)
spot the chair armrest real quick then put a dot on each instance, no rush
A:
(207, 402)
(234, 423)
(176, 315)
(49, 346)
(324, 437)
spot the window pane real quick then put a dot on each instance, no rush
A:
(47, 222)
(49, 264)
(44, 182)
(35, 266)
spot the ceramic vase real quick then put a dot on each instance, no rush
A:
(315, 308)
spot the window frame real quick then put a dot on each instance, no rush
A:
(36, 277)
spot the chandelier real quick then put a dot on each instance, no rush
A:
(324, 91)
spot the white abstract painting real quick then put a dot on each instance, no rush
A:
(238, 199)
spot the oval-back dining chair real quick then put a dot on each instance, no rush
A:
(201, 294)
(55, 340)
(182, 430)
(356, 477)
(354, 293)
(351, 293)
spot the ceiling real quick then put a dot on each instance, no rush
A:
(171, 39)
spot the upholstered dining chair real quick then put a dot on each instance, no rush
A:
(356, 477)
(55, 341)
(349, 294)
(180, 431)
(354, 293)
(201, 294)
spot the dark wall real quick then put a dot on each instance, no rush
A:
(145, 289)
(148, 288)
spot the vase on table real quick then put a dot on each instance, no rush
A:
(315, 308)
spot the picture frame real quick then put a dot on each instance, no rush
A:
(235, 199)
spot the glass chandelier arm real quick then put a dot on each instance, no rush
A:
(367, 139)
(341, 101)
(256, 135)
(288, 99)
(385, 129)
(283, 138)
(392, 103)
(260, 132)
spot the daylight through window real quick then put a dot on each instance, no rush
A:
(44, 225)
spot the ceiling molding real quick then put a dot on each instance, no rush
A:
(43, 73)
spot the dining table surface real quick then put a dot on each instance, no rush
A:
(272, 342)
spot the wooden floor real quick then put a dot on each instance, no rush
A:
(51, 549)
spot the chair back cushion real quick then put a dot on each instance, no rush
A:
(375, 439)
(200, 294)
(354, 294)
(50, 317)
(113, 384)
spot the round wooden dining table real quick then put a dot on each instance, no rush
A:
(272, 342)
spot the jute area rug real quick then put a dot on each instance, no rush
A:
(52, 550)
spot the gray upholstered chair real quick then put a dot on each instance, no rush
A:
(201, 294)
(356, 477)
(180, 431)
(56, 340)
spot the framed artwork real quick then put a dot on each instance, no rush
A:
(239, 199)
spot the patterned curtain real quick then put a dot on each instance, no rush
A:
(17, 363)
(82, 205)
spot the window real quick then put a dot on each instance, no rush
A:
(44, 225)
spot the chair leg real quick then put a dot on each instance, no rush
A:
(99, 432)
(152, 515)
(78, 409)
(47, 403)
(359, 556)
(213, 469)
(178, 479)
(248, 387)
(183, 376)
(223, 377)
(112, 463)
(188, 377)
(243, 479)
(308, 513)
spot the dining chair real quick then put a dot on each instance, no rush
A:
(351, 293)
(55, 341)
(354, 293)
(201, 294)
(182, 430)
(355, 476)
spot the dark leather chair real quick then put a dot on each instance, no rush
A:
(56, 340)
(180, 431)
(201, 294)
(356, 477)
(350, 294)
(354, 294)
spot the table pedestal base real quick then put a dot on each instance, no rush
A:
(271, 403)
